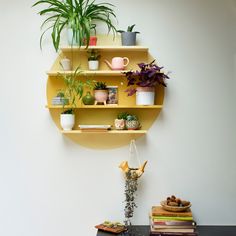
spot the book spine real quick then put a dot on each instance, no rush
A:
(174, 223)
(183, 218)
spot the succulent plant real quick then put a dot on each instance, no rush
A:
(123, 115)
(93, 55)
(100, 86)
(129, 29)
(131, 117)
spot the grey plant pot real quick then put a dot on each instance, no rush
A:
(128, 38)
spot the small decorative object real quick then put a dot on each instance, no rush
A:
(175, 204)
(120, 121)
(131, 183)
(100, 93)
(144, 82)
(118, 63)
(113, 227)
(132, 122)
(112, 95)
(67, 120)
(60, 100)
(88, 99)
(65, 64)
(93, 59)
(128, 37)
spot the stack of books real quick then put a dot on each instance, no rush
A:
(164, 222)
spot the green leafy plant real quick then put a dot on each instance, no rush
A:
(79, 15)
(93, 55)
(100, 86)
(61, 94)
(68, 112)
(129, 29)
(74, 87)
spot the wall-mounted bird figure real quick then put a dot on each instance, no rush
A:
(138, 171)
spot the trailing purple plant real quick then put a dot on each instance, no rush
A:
(149, 75)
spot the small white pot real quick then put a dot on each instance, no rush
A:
(67, 121)
(145, 96)
(93, 65)
(65, 63)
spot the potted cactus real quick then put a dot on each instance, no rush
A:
(100, 92)
(128, 37)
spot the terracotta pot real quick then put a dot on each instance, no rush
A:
(101, 96)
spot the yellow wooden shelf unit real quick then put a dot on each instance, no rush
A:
(105, 132)
(103, 114)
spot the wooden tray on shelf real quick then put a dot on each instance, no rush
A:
(115, 230)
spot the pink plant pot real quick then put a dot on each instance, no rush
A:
(101, 96)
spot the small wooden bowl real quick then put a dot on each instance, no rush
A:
(174, 208)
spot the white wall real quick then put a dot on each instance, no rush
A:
(51, 186)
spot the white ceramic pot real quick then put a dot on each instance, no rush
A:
(65, 63)
(145, 96)
(67, 121)
(93, 65)
(72, 38)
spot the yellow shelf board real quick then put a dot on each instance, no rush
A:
(112, 48)
(89, 73)
(105, 132)
(106, 107)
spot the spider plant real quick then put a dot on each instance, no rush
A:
(79, 15)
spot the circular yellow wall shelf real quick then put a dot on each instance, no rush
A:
(103, 114)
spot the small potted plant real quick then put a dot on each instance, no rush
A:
(60, 99)
(67, 119)
(120, 120)
(144, 81)
(128, 37)
(132, 122)
(100, 92)
(73, 91)
(93, 59)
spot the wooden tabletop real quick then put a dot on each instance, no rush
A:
(144, 230)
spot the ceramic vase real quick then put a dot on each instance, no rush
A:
(88, 99)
